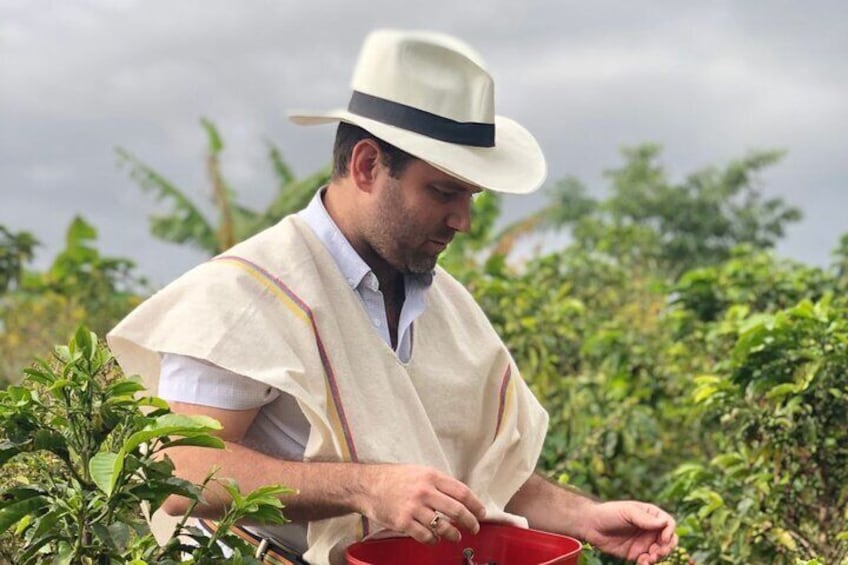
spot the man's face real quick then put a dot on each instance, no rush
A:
(415, 216)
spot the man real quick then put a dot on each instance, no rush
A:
(341, 361)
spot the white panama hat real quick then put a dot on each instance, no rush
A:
(430, 95)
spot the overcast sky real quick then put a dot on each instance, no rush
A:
(709, 81)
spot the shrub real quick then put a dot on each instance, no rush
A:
(83, 465)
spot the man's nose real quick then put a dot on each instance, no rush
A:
(459, 218)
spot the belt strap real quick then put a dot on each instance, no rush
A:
(267, 550)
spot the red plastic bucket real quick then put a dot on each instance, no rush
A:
(495, 543)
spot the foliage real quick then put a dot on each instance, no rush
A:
(776, 491)
(671, 226)
(757, 280)
(186, 223)
(95, 466)
(81, 286)
(656, 287)
(103, 286)
(840, 259)
(587, 338)
(615, 353)
(16, 250)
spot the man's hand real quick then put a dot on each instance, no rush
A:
(405, 498)
(636, 531)
(633, 530)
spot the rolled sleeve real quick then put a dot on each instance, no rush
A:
(190, 380)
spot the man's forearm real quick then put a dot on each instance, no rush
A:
(324, 490)
(552, 508)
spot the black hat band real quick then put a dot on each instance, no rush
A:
(420, 121)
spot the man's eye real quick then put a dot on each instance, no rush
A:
(443, 193)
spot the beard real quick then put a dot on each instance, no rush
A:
(395, 233)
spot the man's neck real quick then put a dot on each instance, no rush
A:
(389, 278)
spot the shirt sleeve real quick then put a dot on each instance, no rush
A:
(187, 379)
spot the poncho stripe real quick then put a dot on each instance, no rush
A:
(505, 397)
(300, 309)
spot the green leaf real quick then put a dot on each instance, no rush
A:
(213, 137)
(80, 231)
(7, 451)
(44, 524)
(154, 402)
(782, 390)
(64, 554)
(785, 539)
(171, 424)
(728, 460)
(34, 547)
(120, 533)
(58, 386)
(809, 374)
(12, 513)
(156, 494)
(63, 353)
(44, 378)
(103, 535)
(705, 387)
(105, 469)
(198, 441)
(86, 343)
(186, 223)
(125, 387)
(281, 168)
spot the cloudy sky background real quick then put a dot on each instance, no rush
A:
(709, 81)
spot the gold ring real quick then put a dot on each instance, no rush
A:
(434, 523)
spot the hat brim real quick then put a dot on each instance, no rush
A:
(515, 165)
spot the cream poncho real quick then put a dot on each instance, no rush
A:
(276, 309)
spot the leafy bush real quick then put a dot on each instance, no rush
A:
(81, 286)
(83, 465)
(776, 491)
(651, 384)
(16, 249)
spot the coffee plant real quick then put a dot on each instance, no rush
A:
(82, 467)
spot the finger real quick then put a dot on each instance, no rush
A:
(461, 493)
(663, 552)
(421, 533)
(650, 518)
(672, 543)
(454, 510)
(654, 551)
(668, 531)
(666, 548)
(446, 531)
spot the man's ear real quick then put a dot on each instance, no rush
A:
(365, 164)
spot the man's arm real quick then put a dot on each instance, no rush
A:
(401, 497)
(627, 528)
(551, 508)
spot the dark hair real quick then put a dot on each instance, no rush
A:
(348, 135)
